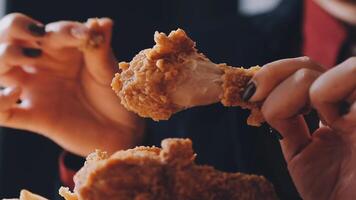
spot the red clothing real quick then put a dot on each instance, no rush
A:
(323, 35)
(65, 173)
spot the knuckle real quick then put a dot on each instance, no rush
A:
(9, 24)
(269, 114)
(264, 73)
(304, 75)
(305, 59)
(315, 94)
(310, 63)
(11, 19)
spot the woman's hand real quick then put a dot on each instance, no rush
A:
(63, 82)
(344, 10)
(322, 164)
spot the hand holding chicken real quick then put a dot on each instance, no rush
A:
(173, 76)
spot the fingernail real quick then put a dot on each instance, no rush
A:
(249, 91)
(275, 133)
(37, 30)
(344, 108)
(31, 52)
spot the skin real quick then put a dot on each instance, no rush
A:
(65, 92)
(344, 10)
(67, 97)
(322, 164)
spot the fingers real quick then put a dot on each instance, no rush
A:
(274, 73)
(24, 43)
(335, 90)
(25, 30)
(282, 110)
(13, 55)
(343, 10)
(65, 34)
(100, 27)
(93, 33)
(17, 26)
(21, 28)
(93, 38)
(291, 96)
(99, 57)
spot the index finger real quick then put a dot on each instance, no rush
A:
(333, 88)
(272, 74)
(63, 34)
(17, 26)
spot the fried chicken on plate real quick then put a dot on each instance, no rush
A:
(151, 173)
(173, 76)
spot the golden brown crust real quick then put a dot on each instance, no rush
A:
(173, 76)
(167, 174)
(96, 38)
(234, 83)
(66, 194)
(151, 74)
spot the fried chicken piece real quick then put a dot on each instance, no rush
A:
(173, 76)
(235, 81)
(151, 173)
(27, 195)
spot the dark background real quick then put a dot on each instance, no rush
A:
(30, 161)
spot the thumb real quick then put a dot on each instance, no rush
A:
(98, 55)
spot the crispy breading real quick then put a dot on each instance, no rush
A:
(151, 173)
(66, 194)
(27, 195)
(173, 76)
(144, 83)
(235, 81)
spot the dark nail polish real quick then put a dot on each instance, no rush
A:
(37, 30)
(275, 133)
(31, 52)
(344, 108)
(249, 91)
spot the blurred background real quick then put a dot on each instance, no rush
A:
(241, 33)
